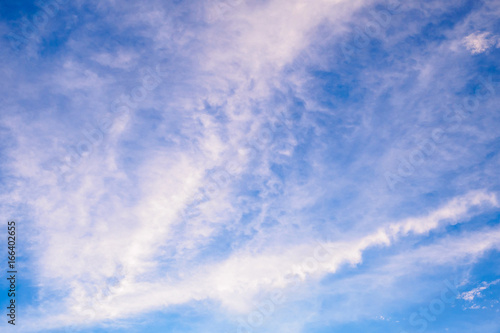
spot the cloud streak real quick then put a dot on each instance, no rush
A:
(218, 156)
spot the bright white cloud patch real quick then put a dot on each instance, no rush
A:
(480, 42)
(476, 292)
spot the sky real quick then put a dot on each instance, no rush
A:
(247, 166)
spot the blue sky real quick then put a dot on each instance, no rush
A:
(245, 166)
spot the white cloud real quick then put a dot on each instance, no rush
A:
(479, 42)
(476, 292)
(235, 282)
(128, 221)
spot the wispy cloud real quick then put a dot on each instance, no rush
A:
(219, 155)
